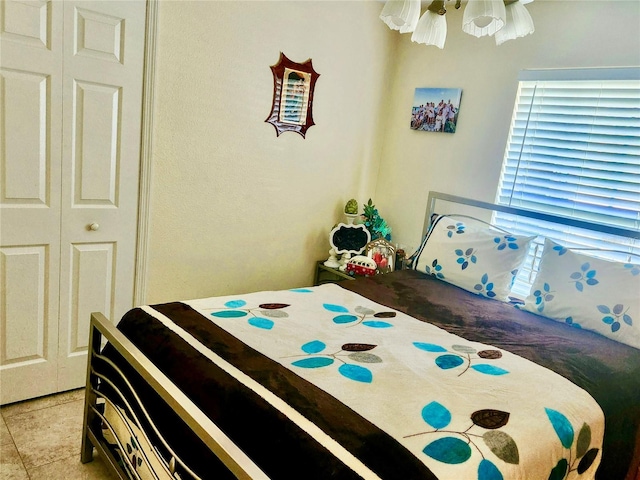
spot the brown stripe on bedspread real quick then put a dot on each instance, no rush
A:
(608, 370)
(278, 446)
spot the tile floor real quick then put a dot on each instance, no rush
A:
(40, 440)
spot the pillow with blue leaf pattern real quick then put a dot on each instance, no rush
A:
(588, 292)
(472, 255)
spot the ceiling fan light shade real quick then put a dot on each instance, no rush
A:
(431, 30)
(483, 17)
(412, 22)
(519, 23)
(401, 15)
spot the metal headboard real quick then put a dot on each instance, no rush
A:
(573, 222)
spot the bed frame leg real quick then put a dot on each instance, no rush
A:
(90, 398)
(86, 453)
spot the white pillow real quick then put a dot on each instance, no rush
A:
(470, 254)
(588, 292)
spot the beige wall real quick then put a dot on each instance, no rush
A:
(568, 34)
(233, 207)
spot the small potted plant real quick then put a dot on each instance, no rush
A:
(351, 210)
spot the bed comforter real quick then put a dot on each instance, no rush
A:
(325, 383)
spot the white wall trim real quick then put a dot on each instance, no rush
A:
(144, 208)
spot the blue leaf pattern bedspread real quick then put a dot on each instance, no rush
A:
(466, 410)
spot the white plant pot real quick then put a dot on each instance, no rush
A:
(351, 217)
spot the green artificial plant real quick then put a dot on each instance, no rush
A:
(376, 225)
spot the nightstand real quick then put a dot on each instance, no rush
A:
(326, 274)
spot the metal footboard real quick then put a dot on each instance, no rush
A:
(219, 444)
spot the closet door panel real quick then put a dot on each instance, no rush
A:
(27, 22)
(25, 96)
(30, 174)
(24, 325)
(92, 290)
(27, 349)
(102, 86)
(95, 161)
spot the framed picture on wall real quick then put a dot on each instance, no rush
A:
(436, 109)
(293, 86)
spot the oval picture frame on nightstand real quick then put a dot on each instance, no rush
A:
(349, 238)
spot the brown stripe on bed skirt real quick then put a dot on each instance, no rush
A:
(278, 446)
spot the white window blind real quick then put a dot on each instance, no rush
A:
(574, 150)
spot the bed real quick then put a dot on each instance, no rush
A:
(426, 373)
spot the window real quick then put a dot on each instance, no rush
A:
(574, 150)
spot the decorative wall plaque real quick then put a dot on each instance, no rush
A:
(293, 85)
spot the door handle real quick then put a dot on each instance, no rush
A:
(93, 227)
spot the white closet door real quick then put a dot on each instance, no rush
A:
(30, 165)
(85, 166)
(102, 95)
